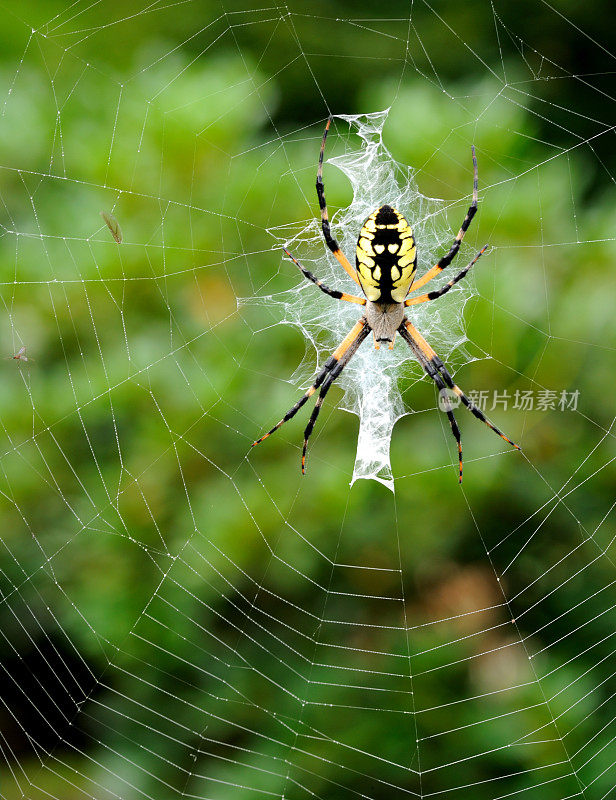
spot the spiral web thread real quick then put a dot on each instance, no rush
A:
(176, 624)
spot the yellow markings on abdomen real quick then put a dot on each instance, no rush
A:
(364, 258)
(386, 256)
(366, 245)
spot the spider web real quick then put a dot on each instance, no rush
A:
(183, 616)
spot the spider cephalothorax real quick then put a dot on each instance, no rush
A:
(385, 266)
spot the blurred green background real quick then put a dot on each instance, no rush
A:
(184, 617)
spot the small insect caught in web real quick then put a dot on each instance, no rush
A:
(113, 225)
(20, 355)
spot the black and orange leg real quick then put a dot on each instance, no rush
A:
(429, 354)
(350, 343)
(350, 298)
(333, 374)
(327, 234)
(423, 298)
(446, 260)
(433, 372)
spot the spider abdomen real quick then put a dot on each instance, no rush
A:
(386, 256)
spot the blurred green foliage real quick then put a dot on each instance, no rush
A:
(177, 614)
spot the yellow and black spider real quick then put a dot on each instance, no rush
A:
(385, 266)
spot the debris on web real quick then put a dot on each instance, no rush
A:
(370, 381)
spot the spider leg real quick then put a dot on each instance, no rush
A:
(350, 298)
(333, 374)
(422, 298)
(410, 333)
(433, 372)
(351, 342)
(446, 260)
(327, 234)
